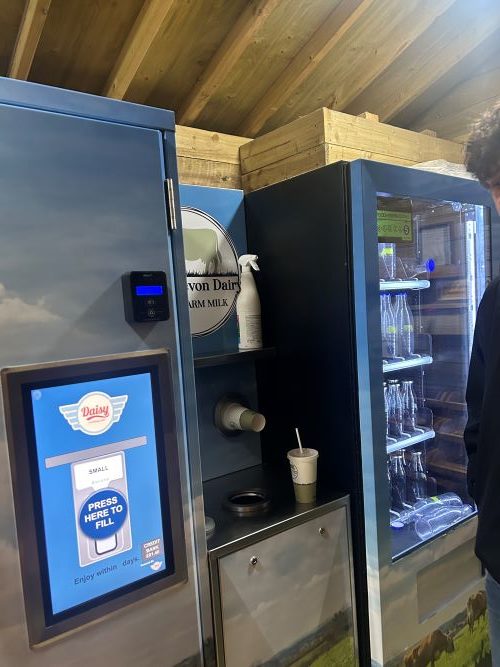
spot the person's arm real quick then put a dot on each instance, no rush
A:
(474, 398)
(475, 385)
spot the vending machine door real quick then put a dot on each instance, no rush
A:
(84, 201)
(425, 244)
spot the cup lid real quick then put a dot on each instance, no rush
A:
(306, 453)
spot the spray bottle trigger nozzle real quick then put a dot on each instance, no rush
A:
(249, 261)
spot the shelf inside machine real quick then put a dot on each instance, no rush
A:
(394, 445)
(413, 362)
(446, 405)
(395, 285)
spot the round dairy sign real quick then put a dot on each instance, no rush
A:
(211, 269)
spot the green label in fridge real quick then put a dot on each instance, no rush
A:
(394, 225)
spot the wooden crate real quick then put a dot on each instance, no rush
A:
(326, 136)
(208, 158)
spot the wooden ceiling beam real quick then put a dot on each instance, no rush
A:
(486, 53)
(233, 46)
(414, 21)
(30, 31)
(345, 14)
(446, 43)
(148, 24)
(452, 116)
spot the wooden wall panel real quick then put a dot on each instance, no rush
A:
(241, 35)
(376, 39)
(182, 50)
(284, 33)
(448, 41)
(11, 13)
(467, 67)
(411, 62)
(454, 113)
(81, 41)
(208, 158)
(29, 33)
(326, 136)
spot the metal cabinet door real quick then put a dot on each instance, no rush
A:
(81, 203)
(289, 597)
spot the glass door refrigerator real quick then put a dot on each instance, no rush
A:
(372, 275)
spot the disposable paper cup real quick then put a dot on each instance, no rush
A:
(303, 466)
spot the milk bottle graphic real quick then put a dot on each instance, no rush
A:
(100, 499)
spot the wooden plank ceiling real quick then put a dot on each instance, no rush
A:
(245, 67)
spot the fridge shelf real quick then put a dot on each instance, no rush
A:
(428, 434)
(446, 405)
(390, 366)
(392, 285)
(451, 437)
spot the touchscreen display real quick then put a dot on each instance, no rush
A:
(96, 448)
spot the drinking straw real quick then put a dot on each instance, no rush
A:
(298, 440)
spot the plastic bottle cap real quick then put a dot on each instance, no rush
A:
(431, 265)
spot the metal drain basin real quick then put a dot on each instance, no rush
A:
(248, 502)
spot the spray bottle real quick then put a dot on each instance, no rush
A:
(248, 306)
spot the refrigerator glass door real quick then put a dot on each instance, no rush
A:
(431, 278)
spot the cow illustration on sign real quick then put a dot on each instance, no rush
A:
(212, 271)
(201, 250)
(429, 649)
(476, 607)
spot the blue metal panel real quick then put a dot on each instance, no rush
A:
(221, 455)
(190, 412)
(81, 203)
(58, 100)
(226, 207)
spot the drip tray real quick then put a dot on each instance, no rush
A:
(248, 502)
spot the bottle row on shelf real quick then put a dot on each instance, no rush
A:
(392, 267)
(407, 478)
(396, 319)
(414, 500)
(431, 515)
(404, 419)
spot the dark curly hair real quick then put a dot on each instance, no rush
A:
(482, 153)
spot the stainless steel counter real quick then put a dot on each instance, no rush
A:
(230, 528)
(294, 562)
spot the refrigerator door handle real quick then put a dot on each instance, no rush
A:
(171, 203)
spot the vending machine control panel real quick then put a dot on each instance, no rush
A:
(147, 296)
(83, 437)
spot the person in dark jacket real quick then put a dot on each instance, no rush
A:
(482, 432)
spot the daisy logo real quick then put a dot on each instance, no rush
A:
(94, 413)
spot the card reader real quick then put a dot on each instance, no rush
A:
(147, 296)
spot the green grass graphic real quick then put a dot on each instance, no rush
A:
(471, 650)
(326, 655)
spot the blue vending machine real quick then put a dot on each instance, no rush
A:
(101, 520)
